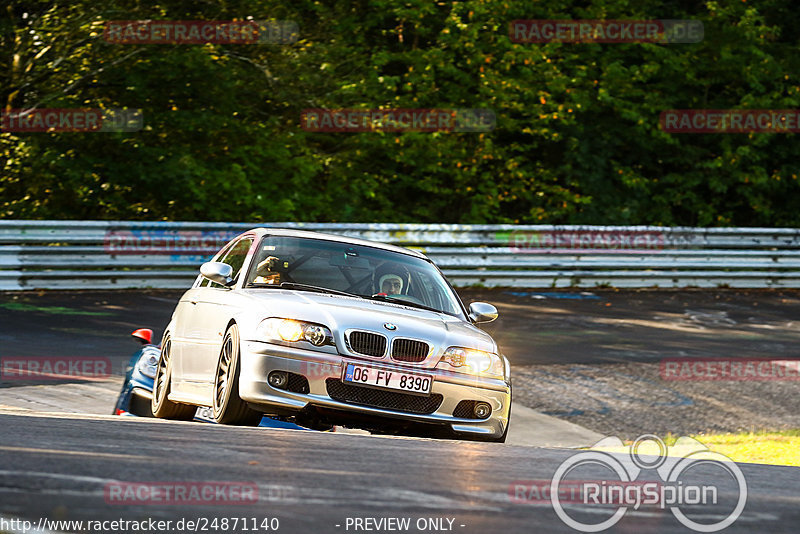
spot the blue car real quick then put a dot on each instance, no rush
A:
(137, 390)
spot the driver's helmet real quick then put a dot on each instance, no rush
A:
(391, 278)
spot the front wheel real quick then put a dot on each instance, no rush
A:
(160, 405)
(228, 407)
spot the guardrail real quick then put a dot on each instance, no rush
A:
(123, 254)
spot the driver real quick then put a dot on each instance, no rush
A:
(391, 284)
(391, 279)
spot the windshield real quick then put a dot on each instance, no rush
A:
(358, 270)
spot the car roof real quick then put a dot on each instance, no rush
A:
(290, 232)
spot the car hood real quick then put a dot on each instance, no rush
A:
(342, 313)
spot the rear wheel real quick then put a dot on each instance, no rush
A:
(161, 406)
(228, 407)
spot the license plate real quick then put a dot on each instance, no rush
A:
(388, 379)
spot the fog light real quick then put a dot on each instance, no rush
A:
(482, 410)
(278, 379)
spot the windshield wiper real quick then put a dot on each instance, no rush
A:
(307, 287)
(387, 298)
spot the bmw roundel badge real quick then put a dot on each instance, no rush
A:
(389, 326)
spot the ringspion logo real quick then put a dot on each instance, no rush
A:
(578, 491)
(688, 472)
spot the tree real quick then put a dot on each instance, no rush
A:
(576, 140)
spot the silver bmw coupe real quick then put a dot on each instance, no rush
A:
(329, 330)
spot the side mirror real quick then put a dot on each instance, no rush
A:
(218, 272)
(482, 312)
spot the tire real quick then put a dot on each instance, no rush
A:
(228, 408)
(141, 406)
(161, 406)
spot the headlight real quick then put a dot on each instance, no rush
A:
(276, 329)
(147, 363)
(474, 362)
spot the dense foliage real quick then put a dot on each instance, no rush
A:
(577, 137)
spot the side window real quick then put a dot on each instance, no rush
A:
(234, 257)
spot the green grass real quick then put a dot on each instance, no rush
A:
(773, 448)
(58, 310)
(764, 447)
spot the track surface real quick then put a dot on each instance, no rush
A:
(57, 466)
(535, 327)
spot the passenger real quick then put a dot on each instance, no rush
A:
(267, 272)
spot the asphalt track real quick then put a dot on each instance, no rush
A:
(60, 466)
(535, 327)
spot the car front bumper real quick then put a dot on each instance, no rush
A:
(135, 396)
(259, 359)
